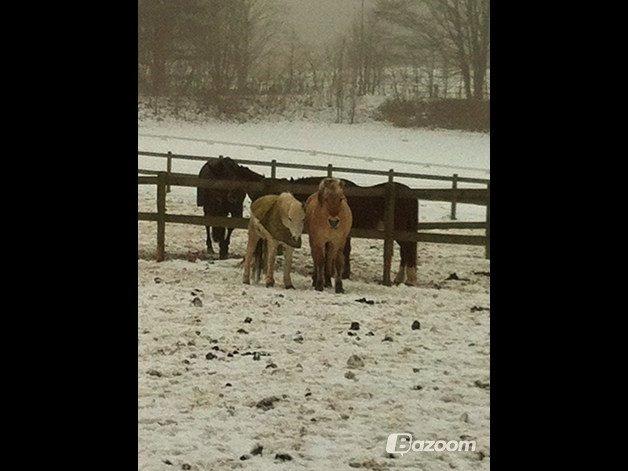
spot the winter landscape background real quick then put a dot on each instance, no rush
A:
(246, 377)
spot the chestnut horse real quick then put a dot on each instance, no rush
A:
(328, 221)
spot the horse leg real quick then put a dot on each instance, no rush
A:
(270, 267)
(340, 261)
(346, 272)
(411, 248)
(208, 242)
(287, 267)
(330, 254)
(250, 249)
(318, 254)
(218, 234)
(224, 245)
(403, 255)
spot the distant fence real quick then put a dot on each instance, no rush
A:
(313, 152)
(329, 169)
(477, 196)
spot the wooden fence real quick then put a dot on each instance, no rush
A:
(330, 169)
(478, 196)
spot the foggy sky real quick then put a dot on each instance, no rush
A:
(319, 20)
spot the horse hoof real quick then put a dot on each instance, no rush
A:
(290, 287)
(224, 256)
(318, 288)
(340, 290)
(246, 282)
(270, 284)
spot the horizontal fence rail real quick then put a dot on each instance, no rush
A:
(390, 192)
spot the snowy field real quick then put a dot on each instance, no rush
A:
(226, 368)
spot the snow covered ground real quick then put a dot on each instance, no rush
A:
(225, 368)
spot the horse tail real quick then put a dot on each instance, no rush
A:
(218, 234)
(259, 261)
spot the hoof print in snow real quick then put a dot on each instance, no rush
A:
(242, 331)
(154, 373)
(370, 334)
(416, 370)
(388, 338)
(267, 403)
(482, 273)
(228, 385)
(350, 375)
(248, 320)
(210, 356)
(479, 309)
(454, 276)
(416, 325)
(168, 462)
(370, 302)
(245, 457)
(257, 450)
(158, 280)
(355, 361)
(283, 457)
(482, 385)
(355, 326)
(256, 356)
(417, 387)
(298, 338)
(271, 365)
(197, 302)
(186, 466)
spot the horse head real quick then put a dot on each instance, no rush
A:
(331, 196)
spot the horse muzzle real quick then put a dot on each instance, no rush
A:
(333, 222)
(296, 243)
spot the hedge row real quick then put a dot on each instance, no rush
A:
(466, 115)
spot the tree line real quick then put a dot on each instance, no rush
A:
(208, 49)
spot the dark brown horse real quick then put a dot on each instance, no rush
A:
(223, 202)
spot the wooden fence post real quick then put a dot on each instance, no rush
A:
(273, 169)
(169, 169)
(161, 215)
(329, 170)
(389, 227)
(487, 247)
(454, 185)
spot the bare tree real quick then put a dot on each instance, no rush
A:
(457, 29)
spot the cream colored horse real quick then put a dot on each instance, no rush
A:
(275, 220)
